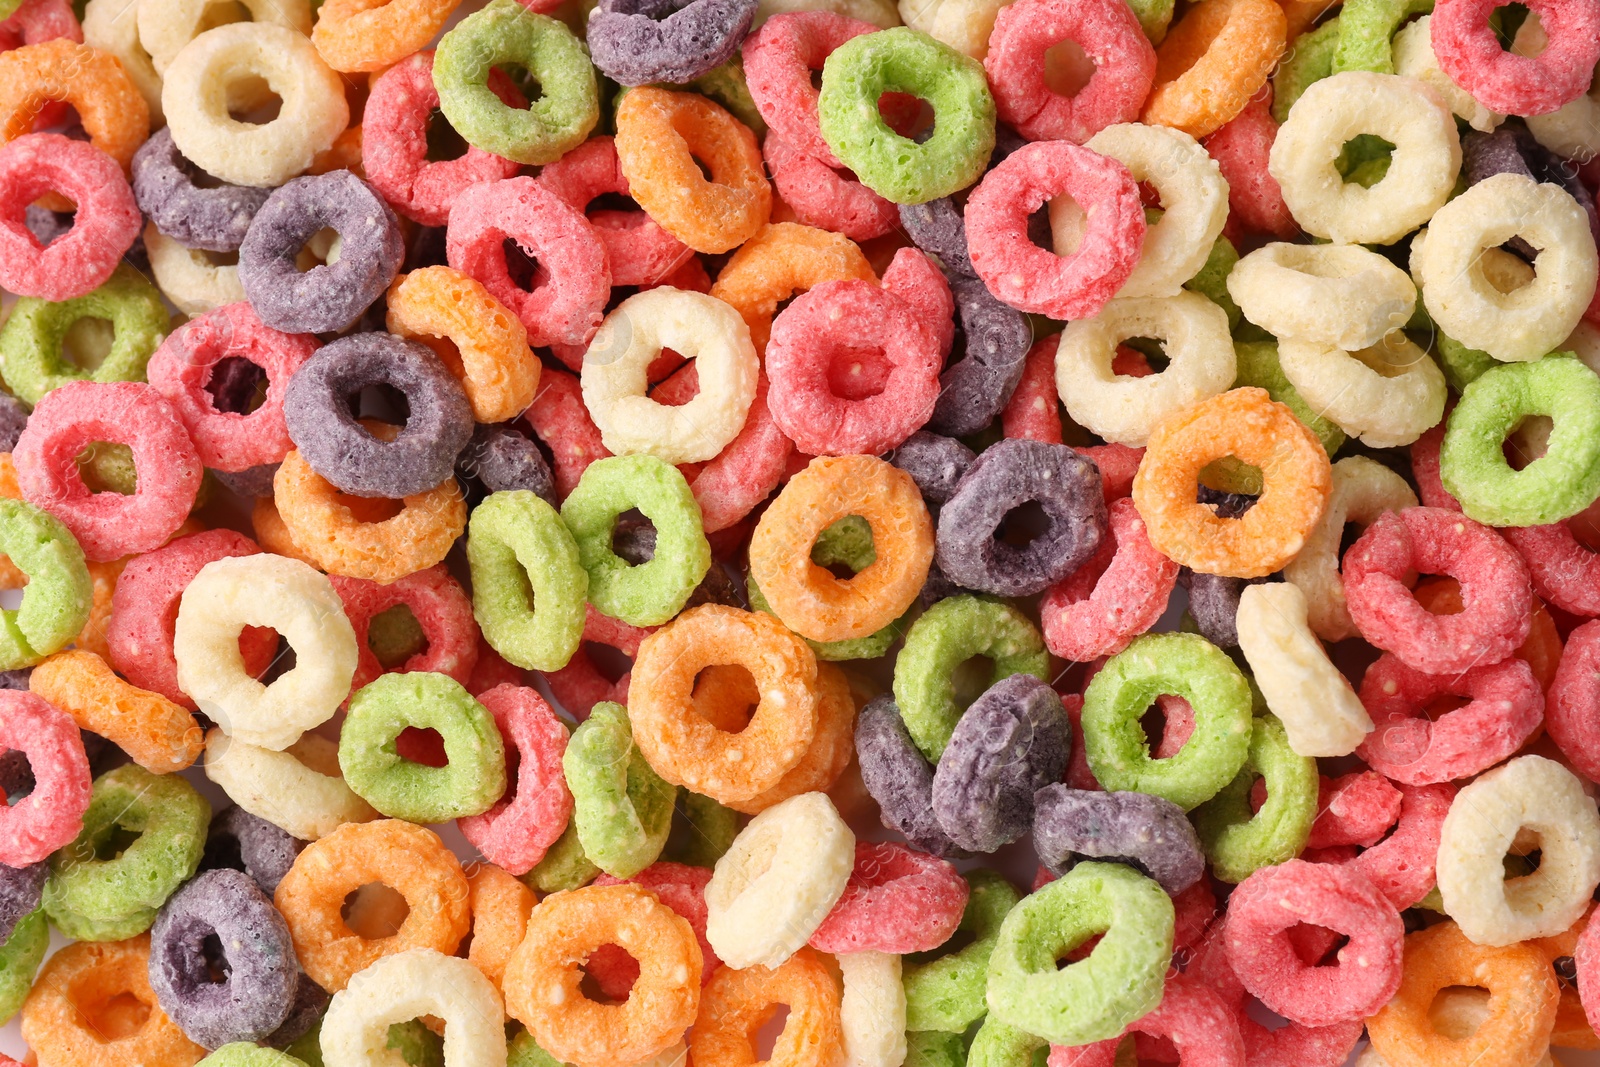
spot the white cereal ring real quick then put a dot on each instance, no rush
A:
(405, 986)
(615, 383)
(195, 96)
(1422, 170)
(1124, 410)
(1573, 130)
(1414, 58)
(1340, 295)
(964, 25)
(165, 26)
(1387, 394)
(190, 277)
(872, 1013)
(113, 26)
(1321, 714)
(772, 889)
(287, 596)
(1194, 203)
(300, 790)
(1363, 489)
(1528, 322)
(1538, 798)
(881, 13)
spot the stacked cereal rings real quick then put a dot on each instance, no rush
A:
(623, 534)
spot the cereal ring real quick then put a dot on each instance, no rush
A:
(195, 90)
(195, 282)
(166, 27)
(103, 229)
(1119, 594)
(407, 858)
(781, 261)
(1570, 712)
(1518, 152)
(934, 462)
(1146, 832)
(238, 840)
(1030, 278)
(622, 810)
(1413, 57)
(1093, 998)
(500, 908)
(633, 44)
(897, 900)
(33, 342)
(778, 61)
(502, 457)
(371, 35)
(51, 815)
(515, 534)
(1212, 62)
(1241, 148)
(284, 595)
(209, 218)
(22, 951)
(435, 602)
(361, 539)
(57, 596)
(112, 26)
(898, 777)
(1342, 296)
(519, 828)
(1531, 795)
(1320, 712)
(1422, 170)
(108, 105)
(825, 759)
(156, 733)
(298, 790)
(1510, 82)
(564, 930)
(1246, 424)
(407, 985)
(1184, 665)
(946, 993)
(679, 887)
(736, 1004)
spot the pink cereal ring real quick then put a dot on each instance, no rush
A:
(1355, 809)
(898, 900)
(1100, 608)
(810, 335)
(681, 888)
(106, 223)
(1565, 573)
(1028, 277)
(1241, 148)
(37, 21)
(823, 196)
(144, 612)
(394, 143)
(1505, 709)
(1401, 866)
(517, 831)
(1495, 590)
(561, 421)
(746, 472)
(1273, 900)
(1425, 468)
(1108, 33)
(491, 670)
(1193, 1018)
(639, 250)
(913, 276)
(440, 607)
(183, 366)
(579, 686)
(1470, 54)
(573, 279)
(1572, 716)
(778, 61)
(51, 816)
(109, 525)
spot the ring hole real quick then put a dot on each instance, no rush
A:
(845, 548)
(971, 678)
(909, 116)
(1140, 357)
(1067, 68)
(416, 1041)
(680, 386)
(444, 143)
(282, 662)
(251, 101)
(608, 975)
(1528, 441)
(633, 537)
(116, 842)
(87, 343)
(112, 1018)
(1504, 270)
(108, 467)
(394, 635)
(236, 385)
(1023, 524)
(610, 662)
(858, 373)
(322, 250)
(1364, 160)
(46, 225)
(1316, 946)
(382, 403)
(1506, 21)
(422, 744)
(16, 776)
(726, 695)
(769, 1030)
(1458, 1011)
(216, 969)
(1077, 950)
(524, 79)
(374, 911)
(521, 266)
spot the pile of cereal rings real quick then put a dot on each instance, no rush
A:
(361, 474)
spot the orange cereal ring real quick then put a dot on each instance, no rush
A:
(830, 750)
(737, 1004)
(1523, 996)
(808, 598)
(361, 35)
(687, 750)
(404, 857)
(113, 113)
(380, 540)
(92, 638)
(660, 136)
(343, 154)
(783, 259)
(542, 981)
(500, 908)
(1213, 61)
(77, 1012)
(272, 534)
(1572, 1029)
(157, 734)
(476, 336)
(1248, 425)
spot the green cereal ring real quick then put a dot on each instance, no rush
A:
(135, 877)
(1309, 60)
(621, 807)
(934, 1048)
(949, 633)
(651, 593)
(998, 1045)
(945, 993)
(1258, 366)
(524, 1051)
(528, 586)
(1366, 30)
(56, 601)
(1462, 365)
(726, 85)
(20, 957)
(1558, 485)
(417, 1045)
(1211, 281)
(848, 543)
(565, 865)
(79, 928)
(506, 33)
(902, 60)
(31, 357)
(1154, 17)
(474, 774)
(1237, 841)
(247, 1054)
(1094, 998)
(702, 830)
(1186, 666)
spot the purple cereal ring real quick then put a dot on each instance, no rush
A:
(21, 889)
(1013, 741)
(1006, 476)
(213, 217)
(310, 1001)
(239, 841)
(252, 484)
(501, 458)
(642, 42)
(1144, 831)
(1214, 604)
(316, 408)
(13, 420)
(1513, 150)
(898, 777)
(934, 462)
(328, 296)
(227, 908)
